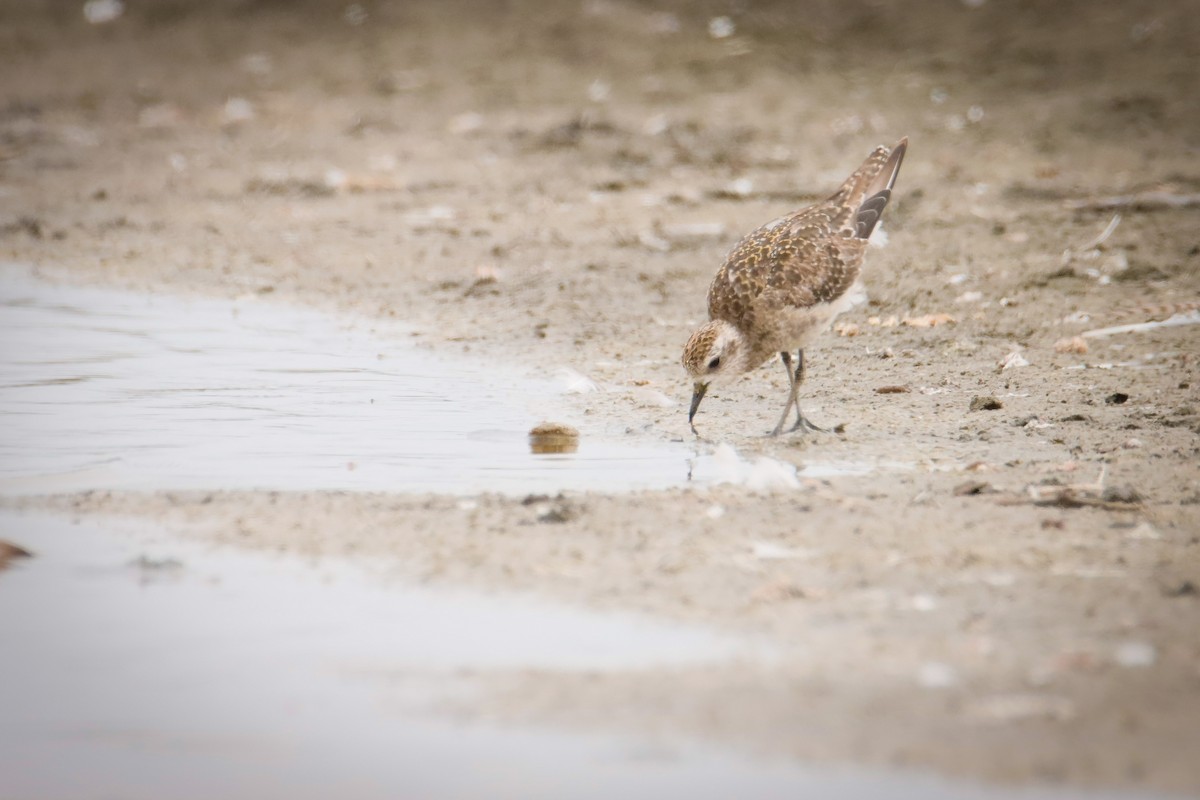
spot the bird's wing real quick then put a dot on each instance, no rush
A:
(811, 256)
(799, 260)
(814, 269)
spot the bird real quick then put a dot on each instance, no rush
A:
(784, 283)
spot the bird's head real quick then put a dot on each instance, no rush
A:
(717, 351)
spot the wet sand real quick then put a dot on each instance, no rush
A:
(544, 186)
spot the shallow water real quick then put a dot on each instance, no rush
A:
(119, 390)
(105, 389)
(136, 665)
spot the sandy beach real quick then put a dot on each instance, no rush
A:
(1008, 591)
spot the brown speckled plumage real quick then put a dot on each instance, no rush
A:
(784, 282)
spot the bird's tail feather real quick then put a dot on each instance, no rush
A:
(878, 191)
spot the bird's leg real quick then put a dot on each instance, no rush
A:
(802, 422)
(793, 380)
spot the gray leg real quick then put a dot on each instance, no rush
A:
(794, 387)
(795, 378)
(802, 422)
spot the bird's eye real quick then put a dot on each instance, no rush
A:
(716, 362)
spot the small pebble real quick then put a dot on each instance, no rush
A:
(554, 514)
(846, 329)
(553, 437)
(972, 488)
(1075, 344)
(1013, 360)
(1121, 494)
(985, 403)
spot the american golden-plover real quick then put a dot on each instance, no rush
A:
(784, 283)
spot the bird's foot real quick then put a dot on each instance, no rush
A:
(802, 424)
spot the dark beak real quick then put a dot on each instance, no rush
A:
(698, 391)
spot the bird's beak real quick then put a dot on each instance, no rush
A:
(698, 391)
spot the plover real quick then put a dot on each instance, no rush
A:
(784, 283)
